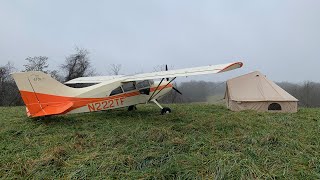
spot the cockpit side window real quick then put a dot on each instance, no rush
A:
(151, 82)
(118, 90)
(129, 86)
(143, 84)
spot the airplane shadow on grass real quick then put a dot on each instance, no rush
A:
(93, 117)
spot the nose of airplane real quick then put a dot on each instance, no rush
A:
(174, 88)
(162, 87)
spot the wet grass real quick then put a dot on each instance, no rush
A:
(205, 141)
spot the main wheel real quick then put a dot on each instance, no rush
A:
(165, 110)
(132, 108)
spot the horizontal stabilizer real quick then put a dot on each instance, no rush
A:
(54, 109)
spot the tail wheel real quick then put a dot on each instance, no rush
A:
(165, 110)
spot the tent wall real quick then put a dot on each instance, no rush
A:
(261, 106)
(256, 87)
(254, 91)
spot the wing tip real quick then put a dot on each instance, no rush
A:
(232, 66)
(240, 63)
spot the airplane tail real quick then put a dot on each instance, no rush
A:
(42, 94)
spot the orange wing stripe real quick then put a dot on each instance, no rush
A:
(232, 66)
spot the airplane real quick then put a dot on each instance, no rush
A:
(44, 96)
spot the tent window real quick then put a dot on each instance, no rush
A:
(274, 107)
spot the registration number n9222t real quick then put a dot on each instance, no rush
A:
(106, 104)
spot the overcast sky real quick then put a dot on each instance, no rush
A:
(279, 38)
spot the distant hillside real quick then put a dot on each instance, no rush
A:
(196, 140)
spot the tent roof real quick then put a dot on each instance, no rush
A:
(256, 87)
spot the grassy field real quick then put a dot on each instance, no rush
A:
(205, 141)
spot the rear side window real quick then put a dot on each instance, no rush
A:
(128, 86)
(80, 85)
(118, 90)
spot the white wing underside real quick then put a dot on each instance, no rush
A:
(94, 79)
(213, 69)
(185, 72)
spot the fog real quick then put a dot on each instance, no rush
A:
(279, 38)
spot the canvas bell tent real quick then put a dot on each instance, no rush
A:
(254, 91)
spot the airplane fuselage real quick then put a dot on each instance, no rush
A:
(125, 99)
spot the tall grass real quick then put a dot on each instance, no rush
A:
(204, 141)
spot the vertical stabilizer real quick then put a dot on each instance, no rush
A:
(40, 92)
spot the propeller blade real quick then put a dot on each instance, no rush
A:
(167, 70)
(176, 90)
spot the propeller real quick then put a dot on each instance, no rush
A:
(167, 70)
(172, 86)
(176, 90)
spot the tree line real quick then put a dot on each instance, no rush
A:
(308, 93)
(78, 64)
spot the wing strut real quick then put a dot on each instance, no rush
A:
(162, 88)
(155, 90)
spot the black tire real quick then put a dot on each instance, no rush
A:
(132, 108)
(165, 110)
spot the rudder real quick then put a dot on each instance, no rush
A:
(39, 91)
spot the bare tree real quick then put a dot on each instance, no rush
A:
(37, 63)
(161, 67)
(55, 74)
(4, 74)
(114, 69)
(77, 65)
(158, 68)
(307, 91)
(9, 93)
(5, 71)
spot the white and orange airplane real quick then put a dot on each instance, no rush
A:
(44, 96)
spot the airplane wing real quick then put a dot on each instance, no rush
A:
(185, 72)
(162, 74)
(93, 79)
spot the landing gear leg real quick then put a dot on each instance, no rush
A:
(164, 110)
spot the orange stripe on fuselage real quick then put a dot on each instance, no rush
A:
(160, 87)
(35, 102)
(52, 100)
